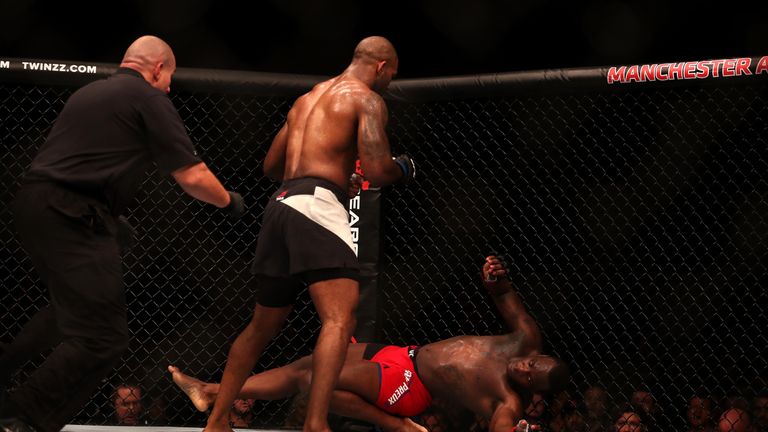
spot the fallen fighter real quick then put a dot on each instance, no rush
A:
(493, 377)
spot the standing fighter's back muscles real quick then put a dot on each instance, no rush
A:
(305, 239)
(327, 129)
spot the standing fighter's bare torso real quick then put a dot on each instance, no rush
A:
(322, 130)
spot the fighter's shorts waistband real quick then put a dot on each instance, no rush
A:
(306, 186)
(412, 353)
(373, 348)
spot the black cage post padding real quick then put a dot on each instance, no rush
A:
(633, 216)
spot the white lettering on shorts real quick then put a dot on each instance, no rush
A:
(401, 389)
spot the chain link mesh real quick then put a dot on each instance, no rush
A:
(633, 222)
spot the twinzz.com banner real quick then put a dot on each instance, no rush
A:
(52, 67)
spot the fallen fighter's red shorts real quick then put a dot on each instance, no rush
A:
(401, 391)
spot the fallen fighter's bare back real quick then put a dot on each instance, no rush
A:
(470, 372)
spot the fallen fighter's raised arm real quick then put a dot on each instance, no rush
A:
(508, 302)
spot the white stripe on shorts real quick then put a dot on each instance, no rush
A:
(325, 210)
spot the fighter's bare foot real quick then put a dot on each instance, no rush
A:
(193, 388)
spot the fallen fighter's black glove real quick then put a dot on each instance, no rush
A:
(407, 166)
(236, 208)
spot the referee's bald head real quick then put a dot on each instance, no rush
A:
(146, 51)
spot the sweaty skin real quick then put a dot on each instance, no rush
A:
(327, 128)
(332, 125)
(323, 129)
(493, 377)
(469, 373)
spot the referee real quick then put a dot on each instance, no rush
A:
(68, 217)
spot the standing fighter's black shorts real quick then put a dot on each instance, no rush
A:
(304, 238)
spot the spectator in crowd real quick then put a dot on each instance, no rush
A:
(536, 413)
(241, 414)
(595, 401)
(736, 399)
(760, 412)
(643, 399)
(700, 417)
(556, 407)
(127, 403)
(734, 420)
(574, 417)
(630, 419)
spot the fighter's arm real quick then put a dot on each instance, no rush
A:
(505, 416)
(508, 302)
(274, 162)
(372, 142)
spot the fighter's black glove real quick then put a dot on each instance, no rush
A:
(407, 166)
(126, 235)
(236, 208)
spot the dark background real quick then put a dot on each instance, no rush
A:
(637, 215)
(433, 37)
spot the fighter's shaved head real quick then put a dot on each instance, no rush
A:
(375, 48)
(374, 62)
(147, 51)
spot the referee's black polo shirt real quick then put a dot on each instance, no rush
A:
(107, 136)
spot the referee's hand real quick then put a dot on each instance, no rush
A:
(236, 207)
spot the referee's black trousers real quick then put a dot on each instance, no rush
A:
(70, 240)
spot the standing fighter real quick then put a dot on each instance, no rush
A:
(493, 377)
(68, 218)
(305, 237)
